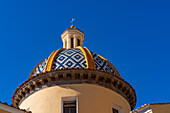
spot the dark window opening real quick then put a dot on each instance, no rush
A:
(78, 42)
(69, 107)
(72, 43)
(115, 110)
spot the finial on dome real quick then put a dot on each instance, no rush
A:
(72, 26)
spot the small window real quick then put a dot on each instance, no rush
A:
(69, 105)
(78, 42)
(116, 109)
(72, 43)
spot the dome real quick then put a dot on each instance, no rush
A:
(79, 57)
(73, 66)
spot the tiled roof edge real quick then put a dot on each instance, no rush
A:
(5, 103)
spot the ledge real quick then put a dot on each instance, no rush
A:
(75, 76)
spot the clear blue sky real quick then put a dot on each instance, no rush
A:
(134, 35)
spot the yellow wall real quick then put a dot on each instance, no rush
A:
(2, 111)
(91, 99)
(162, 108)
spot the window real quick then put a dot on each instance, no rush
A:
(69, 105)
(72, 43)
(78, 42)
(116, 109)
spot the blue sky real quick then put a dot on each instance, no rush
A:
(134, 35)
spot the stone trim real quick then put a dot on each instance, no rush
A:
(75, 76)
(12, 106)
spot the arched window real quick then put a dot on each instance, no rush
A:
(72, 43)
(78, 42)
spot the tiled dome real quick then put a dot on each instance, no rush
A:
(79, 57)
(69, 58)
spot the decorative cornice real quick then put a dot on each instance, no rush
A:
(75, 76)
(68, 30)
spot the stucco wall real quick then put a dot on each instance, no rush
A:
(163, 108)
(91, 99)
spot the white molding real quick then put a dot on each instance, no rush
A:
(69, 99)
(146, 109)
(117, 108)
(71, 31)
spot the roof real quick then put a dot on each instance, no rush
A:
(146, 105)
(73, 27)
(79, 57)
(12, 108)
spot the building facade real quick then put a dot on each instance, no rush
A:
(154, 108)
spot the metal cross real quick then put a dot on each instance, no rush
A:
(72, 20)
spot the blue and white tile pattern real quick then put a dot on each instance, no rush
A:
(102, 64)
(40, 68)
(69, 58)
(74, 57)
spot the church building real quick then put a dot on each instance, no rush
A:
(75, 80)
